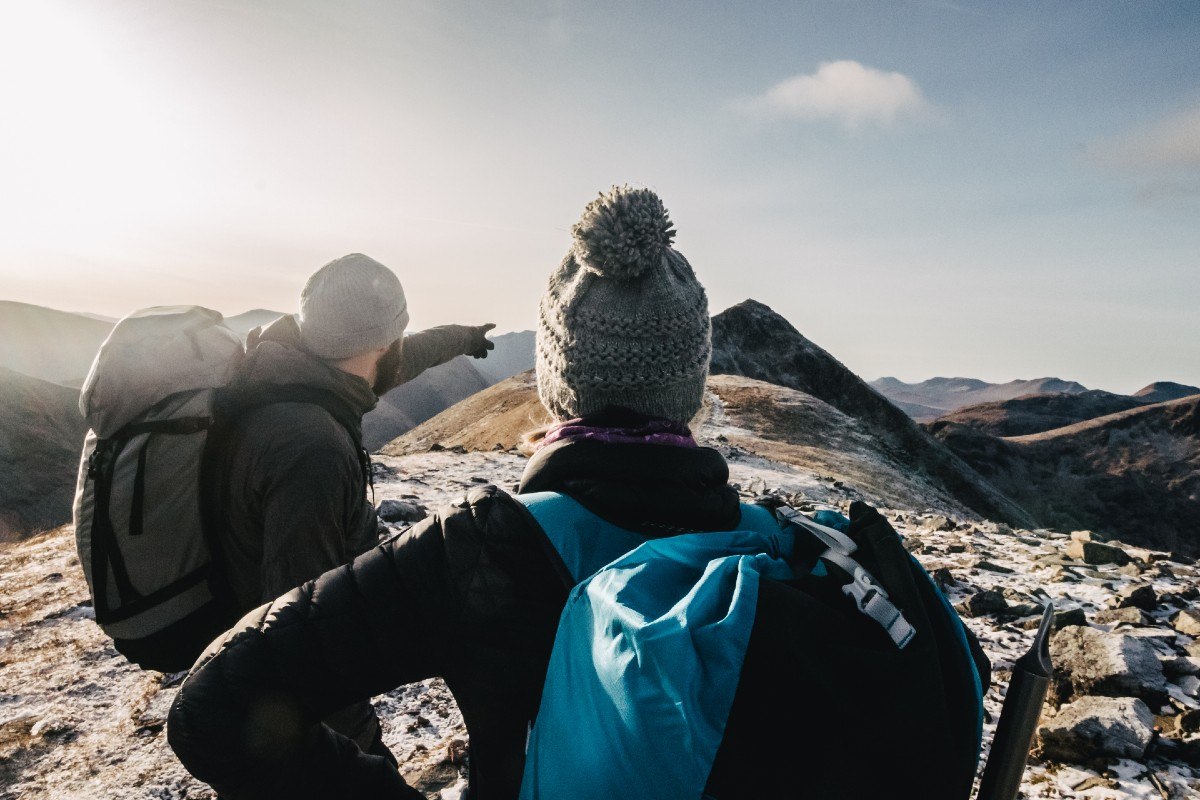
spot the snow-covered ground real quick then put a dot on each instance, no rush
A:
(77, 721)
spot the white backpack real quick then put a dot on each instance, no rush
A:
(142, 523)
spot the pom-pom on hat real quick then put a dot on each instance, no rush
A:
(351, 305)
(624, 322)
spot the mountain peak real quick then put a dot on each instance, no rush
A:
(752, 340)
(1161, 391)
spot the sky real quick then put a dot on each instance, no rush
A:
(928, 188)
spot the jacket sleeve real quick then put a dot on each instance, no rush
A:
(247, 719)
(430, 348)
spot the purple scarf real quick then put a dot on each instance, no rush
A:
(655, 431)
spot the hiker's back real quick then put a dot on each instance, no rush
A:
(288, 467)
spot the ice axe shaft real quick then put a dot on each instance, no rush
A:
(1027, 690)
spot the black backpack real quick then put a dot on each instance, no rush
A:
(874, 720)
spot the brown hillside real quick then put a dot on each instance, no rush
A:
(1134, 474)
(494, 419)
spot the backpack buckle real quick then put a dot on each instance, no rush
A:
(869, 597)
(872, 600)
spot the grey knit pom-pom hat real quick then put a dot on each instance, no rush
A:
(624, 322)
(351, 305)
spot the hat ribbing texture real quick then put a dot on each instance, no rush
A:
(624, 321)
(351, 305)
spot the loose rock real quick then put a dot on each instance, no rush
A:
(1140, 596)
(1069, 617)
(1187, 622)
(940, 523)
(401, 511)
(1097, 553)
(1120, 727)
(985, 602)
(1088, 661)
(1116, 616)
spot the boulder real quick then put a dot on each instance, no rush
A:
(1138, 595)
(1162, 639)
(1181, 665)
(1061, 619)
(1091, 727)
(1097, 553)
(1187, 622)
(1088, 661)
(401, 511)
(983, 603)
(1190, 685)
(1116, 616)
(939, 523)
(1069, 617)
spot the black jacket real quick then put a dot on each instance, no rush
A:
(472, 594)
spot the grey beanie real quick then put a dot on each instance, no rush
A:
(624, 322)
(351, 305)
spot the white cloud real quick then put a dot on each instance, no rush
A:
(843, 91)
(1168, 143)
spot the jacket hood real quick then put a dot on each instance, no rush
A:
(655, 489)
(277, 368)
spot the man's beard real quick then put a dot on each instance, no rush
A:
(387, 369)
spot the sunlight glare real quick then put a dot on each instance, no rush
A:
(87, 151)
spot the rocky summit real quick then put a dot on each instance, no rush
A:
(78, 721)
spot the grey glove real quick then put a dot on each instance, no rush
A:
(478, 344)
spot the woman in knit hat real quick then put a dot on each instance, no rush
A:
(477, 593)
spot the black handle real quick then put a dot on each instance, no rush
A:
(1027, 690)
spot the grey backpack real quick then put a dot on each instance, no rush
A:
(141, 518)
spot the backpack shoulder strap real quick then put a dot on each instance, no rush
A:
(584, 541)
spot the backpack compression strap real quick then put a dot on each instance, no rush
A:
(870, 598)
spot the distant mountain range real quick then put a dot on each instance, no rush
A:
(55, 346)
(793, 402)
(752, 340)
(1046, 452)
(933, 398)
(435, 390)
(1034, 413)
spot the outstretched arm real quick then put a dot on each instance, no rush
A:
(429, 348)
(247, 719)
